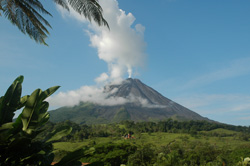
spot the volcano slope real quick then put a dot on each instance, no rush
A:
(129, 100)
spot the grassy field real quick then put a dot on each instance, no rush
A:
(225, 138)
(224, 141)
(69, 146)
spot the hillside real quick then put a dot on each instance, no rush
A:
(139, 103)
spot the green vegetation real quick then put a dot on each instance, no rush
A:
(32, 140)
(19, 141)
(121, 115)
(90, 113)
(164, 143)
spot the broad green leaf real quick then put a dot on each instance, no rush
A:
(17, 125)
(35, 111)
(31, 110)
(19, 79)
(10, 129)
(18, 121)
(44, 119)
(10, 101)
(23, 101)
(6, 126)
(4, 131)
(1, 100)
(48, 92)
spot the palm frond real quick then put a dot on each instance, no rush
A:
(37, 5)
(1, 9)
(25, 15)
(33, 24)
(89, 9)
(62, 3)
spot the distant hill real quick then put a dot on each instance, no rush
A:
(131, 100)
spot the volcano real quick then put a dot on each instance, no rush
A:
(131, 100)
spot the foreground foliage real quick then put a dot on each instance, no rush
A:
(27, 15)
(18, 139)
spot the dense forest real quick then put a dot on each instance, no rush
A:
(149, 143)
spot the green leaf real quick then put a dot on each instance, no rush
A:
(12, 129)
(1, 100)
(4, 131)
(35, 111)
(43, 111)
(19, 79)
(10, 101)
(48, 92)
(31, 110)
(23, 101)
(44, 119)
(17, 126)
(18, 123)
(6, 126)
(59, 133)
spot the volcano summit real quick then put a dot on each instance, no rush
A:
(129, 100)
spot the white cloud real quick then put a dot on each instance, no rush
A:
(91, 94)
(97, 95)
(122, 47)
(102, 78)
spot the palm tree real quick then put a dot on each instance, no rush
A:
(26, 15)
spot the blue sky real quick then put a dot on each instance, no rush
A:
(194, 52)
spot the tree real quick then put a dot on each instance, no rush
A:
(27, 15)
(110, 154)
(143, 156)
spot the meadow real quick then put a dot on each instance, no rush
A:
(219, 146)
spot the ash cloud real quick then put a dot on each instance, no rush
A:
(122, 48)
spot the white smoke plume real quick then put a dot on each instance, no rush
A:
(122, 48)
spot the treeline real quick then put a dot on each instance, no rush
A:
(173, 126)
(81, 132)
